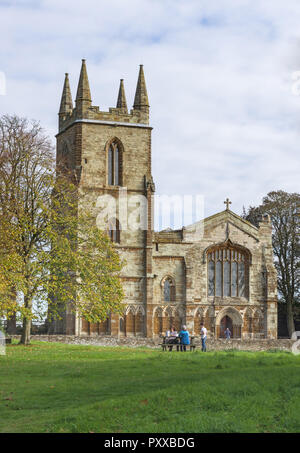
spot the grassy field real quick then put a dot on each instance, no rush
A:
(65, 388)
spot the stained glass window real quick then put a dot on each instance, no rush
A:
(227, 272)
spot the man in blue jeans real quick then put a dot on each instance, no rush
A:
(184, 338)
(203, 332)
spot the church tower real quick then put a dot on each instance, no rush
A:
(109, 154)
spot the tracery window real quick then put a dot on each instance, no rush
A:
(227, 270)
(114, 164)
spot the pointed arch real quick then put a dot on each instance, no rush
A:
(139, 320)
(179, 316)
(122, 324)
(234, 314)
(198, 319)
(179, 311)
(227, 244)
(168, 311)
(199, 311)
(129, 309)
(158, 310)
(132, 323)
(247, 323)
(167, 319)
(140, 309)
(248, 312)
(96, 328)
(229, 315)
(129, 321)
(157, 321)
(258, 323)
(257, 312)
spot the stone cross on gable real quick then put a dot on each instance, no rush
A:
(227, 202)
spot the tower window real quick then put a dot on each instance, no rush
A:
(114, 164)
(114, 230)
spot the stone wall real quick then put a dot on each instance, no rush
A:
(212, 344)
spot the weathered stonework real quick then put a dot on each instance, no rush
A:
(182, 256)
(138, 342)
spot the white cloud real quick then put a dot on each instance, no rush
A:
(219, 77)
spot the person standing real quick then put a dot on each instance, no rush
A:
(203, 333)
(227, 334)
(184, 338)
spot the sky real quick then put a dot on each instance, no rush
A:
(223, 80)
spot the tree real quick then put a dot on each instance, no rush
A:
(283, 208)
(51, 251)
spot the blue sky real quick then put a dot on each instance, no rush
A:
(219, 76)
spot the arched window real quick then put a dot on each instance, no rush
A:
(168, 290)
(114, 230)
(114, 164)
(227, 270)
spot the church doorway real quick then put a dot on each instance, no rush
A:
(226, 322)
(231, 318)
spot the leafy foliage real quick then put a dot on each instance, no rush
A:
(283, 208)
(51, 251)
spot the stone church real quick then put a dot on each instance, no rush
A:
(219, 271)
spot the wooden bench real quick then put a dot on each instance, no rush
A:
(169, 346)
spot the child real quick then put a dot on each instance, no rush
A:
(184, 338)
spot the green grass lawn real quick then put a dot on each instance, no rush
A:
(50, 387)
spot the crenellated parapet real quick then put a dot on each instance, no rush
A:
(84, 111)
